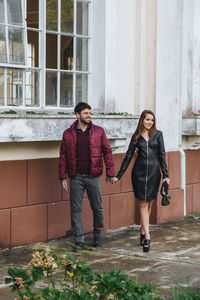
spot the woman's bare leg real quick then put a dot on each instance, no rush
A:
(144, 215)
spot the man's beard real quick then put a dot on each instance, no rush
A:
(84, 121)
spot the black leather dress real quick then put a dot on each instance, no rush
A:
(146, 170)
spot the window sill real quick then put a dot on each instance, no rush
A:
(30, 128)
(191, 126)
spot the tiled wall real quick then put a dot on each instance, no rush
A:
(33, 206)
(193, 180)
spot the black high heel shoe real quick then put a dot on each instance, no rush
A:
(142, 239)
(146, 245)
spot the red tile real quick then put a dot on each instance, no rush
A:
(43, 183)
(173, 212)
(196, 197)
(108, 188)
(13, 178)
(122, 210)
(28, 224)
(189, 199)
(58, 219)
(192, 166)
(174, 163)
(4, 228)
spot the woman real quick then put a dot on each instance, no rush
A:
(149, 144)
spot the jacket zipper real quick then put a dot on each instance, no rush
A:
(146, 173)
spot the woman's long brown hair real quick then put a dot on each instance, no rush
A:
(140, 126)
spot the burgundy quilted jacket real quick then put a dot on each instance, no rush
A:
(98, 146)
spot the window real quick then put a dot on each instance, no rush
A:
(44, 52)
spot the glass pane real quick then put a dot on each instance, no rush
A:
(52, 15)
(2, 16)
(1, 86)
(82, 18)
(67, 53)
(51, 88)
(81, 88)
(67, 16)
(32, 49)
(82, 55)
(14, 86)
(14, 12)
(66, 89)
(16, 45)
(51, 51)
(3, 57)
(32, 88)
(33, 13)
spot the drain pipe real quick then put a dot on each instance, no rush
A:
(181, 61)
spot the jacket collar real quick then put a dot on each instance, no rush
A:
(73, 126)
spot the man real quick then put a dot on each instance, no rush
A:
(81, 151)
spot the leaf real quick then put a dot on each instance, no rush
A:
(8, 280)
(37, 274)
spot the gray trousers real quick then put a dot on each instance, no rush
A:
(93, 187)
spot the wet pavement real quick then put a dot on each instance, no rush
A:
(174, 256)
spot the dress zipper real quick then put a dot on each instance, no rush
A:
(146, 172)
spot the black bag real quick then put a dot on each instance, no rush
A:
(165, 196)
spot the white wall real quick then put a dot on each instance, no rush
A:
(119, 56)
(168, 71)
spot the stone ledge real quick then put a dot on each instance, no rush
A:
(50, 128)
(191, 126)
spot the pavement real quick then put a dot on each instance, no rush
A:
(174, 256)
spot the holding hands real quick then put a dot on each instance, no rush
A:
(112, 179)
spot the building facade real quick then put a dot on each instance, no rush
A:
(119, 56)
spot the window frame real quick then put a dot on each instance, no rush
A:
(42, 31)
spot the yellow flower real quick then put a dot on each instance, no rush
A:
(71, 274)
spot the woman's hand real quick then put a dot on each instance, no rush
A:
(114, 179)
(167, 180)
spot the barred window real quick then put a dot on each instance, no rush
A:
(44, 52)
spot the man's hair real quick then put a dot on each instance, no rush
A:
(81, 106)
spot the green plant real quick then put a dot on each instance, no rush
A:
(9, 112)
(197, 213)
(69, 278)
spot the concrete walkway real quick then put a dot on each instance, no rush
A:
(174, 255)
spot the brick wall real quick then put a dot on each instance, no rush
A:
(34, 208)
(193, 180)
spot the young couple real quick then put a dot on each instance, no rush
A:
(82, 148)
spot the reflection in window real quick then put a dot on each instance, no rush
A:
(66, 53)
(1, 86)
(51, 51)
(66, 89)
(16, 45)
(3, 57)
(32, 88)
(14, 87)
(82, 54)
(32, 49)
(14, 12)
(82, 18)
(2, 15)
(81, 88)
(51, 88)
(32, 14)
(52, 15)
(67, 15)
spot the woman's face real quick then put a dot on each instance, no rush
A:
(148, 121)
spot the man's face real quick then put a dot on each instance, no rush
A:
(84, 116)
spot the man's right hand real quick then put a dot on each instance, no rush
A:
(114, 179)
(64, 184)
